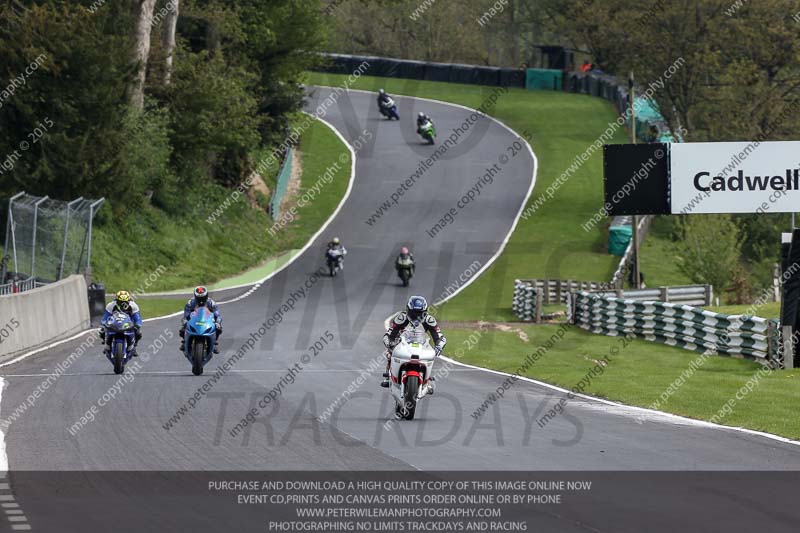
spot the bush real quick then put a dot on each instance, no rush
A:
(710, 246)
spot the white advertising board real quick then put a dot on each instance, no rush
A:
(735, 177)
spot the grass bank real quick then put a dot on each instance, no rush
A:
(155, 251)
(641, 372)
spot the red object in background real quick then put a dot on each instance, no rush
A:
(586, 67)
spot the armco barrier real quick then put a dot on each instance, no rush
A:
(33, 318)
(650, 125)
(683, 326)
(681, 294)
(554, 291)
(418, 70)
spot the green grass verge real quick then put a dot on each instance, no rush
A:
(639, 373)
(551, 243)
(154, 251)
(767, 310)
(153, 307)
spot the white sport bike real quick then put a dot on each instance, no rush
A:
(410, 371)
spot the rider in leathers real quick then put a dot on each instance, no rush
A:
(415, 316)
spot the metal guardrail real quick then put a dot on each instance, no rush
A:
(555, 290)
(20, 286)
(678, 325)
(527, 292)
(698, 295)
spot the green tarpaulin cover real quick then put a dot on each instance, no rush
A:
(618, 239)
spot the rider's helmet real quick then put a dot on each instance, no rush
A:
(123, 299)
(336, 241)
(416, 308)
(404, 251)
(381, 92)
(201, 296)
(421, 116)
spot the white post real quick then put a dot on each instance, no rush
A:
(788, 347)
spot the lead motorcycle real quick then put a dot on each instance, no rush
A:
(199, 339)
(410, 370)
(121, 338)
(389, 109)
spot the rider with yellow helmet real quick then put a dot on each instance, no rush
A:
(123, 301)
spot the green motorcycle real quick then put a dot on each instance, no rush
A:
(427, 131)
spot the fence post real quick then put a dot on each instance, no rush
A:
(664, 294)
(33, 243)
(547, 291)
(66, 233)
(537, 313)
(709, 294)
(771, 341)
(788, 347)
(92, 209)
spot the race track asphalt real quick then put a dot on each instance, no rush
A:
(129, 432)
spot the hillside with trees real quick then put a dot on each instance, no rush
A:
(159, 106)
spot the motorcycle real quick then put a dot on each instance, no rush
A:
(405, 270)
(199, 339)
(389, 109)
(335, 258)
(410, 371)
(427, 131)
(120, 334)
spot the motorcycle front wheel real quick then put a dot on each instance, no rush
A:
(198, 354)
(410, 399)
(119, 357)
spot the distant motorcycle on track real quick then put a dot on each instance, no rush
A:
(389, 109)
(334, 258)
(427, 132)
(405, 270)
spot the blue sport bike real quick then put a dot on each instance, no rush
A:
(199, 339)
(121, 339)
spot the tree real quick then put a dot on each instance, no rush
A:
(143, 14)
(710, 247)
(168, 37)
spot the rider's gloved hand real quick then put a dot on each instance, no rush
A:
(218, 326)
(439, 348)
(387, 342)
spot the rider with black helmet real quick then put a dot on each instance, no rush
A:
(415, 315)
(201, 299)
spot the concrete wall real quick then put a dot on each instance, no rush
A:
(34, 318)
